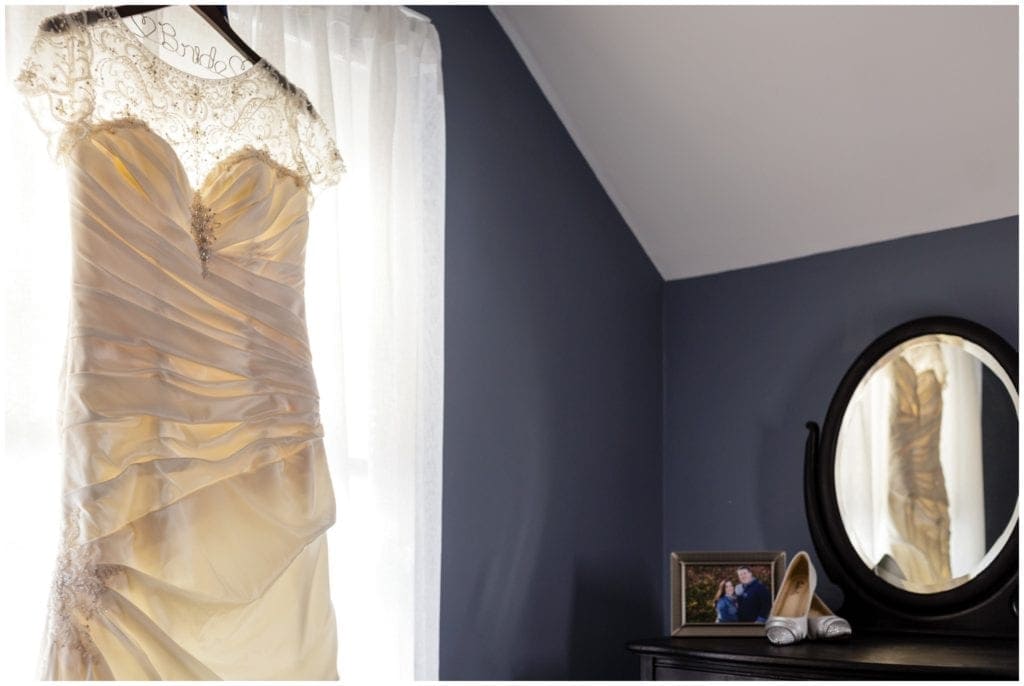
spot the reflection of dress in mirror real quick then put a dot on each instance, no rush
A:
(918, 503)
(725, 602)
(910, 457)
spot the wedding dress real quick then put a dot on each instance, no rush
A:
(196, 494)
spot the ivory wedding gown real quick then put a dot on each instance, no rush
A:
(196, 492)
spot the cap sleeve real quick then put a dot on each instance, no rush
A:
(55, 80)
(317, 151)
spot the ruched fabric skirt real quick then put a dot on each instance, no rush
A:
(196, 492)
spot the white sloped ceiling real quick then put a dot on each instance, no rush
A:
(735, 136)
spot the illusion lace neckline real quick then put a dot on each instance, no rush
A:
(84, 70)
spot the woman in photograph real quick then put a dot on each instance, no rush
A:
(725, 602)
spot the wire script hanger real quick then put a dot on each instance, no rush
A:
(214, 14)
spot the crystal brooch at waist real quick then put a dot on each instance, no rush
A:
(203, 224)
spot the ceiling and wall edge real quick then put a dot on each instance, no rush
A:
(552, 97)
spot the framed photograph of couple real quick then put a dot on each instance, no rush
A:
(724, 593)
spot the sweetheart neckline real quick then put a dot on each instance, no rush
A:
(232, 158)
(202, 218)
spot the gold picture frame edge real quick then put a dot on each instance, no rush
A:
(775, 559)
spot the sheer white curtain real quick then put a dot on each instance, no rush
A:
(375, 275)
(960, 452)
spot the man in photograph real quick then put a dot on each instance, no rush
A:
(755, 604)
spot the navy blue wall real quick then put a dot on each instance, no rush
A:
(751, 355)
(562, 497)
(552, 445)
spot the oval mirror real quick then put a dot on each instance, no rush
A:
(926, 463)
(911, 487)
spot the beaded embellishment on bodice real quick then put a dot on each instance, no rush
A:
(203, 224)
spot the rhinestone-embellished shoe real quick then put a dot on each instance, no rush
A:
(822, 623)
(787, 621)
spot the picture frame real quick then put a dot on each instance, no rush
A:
(696, 579)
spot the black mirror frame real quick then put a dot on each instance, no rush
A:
(982, 606)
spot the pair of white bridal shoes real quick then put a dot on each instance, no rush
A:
(797, 612)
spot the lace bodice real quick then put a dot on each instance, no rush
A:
(79, 76)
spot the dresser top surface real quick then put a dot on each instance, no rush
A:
(865, 652)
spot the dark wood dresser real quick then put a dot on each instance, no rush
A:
(859, 657)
